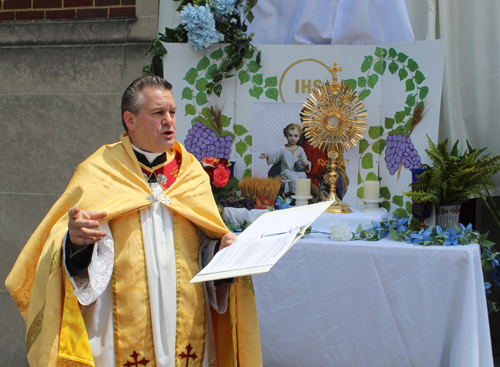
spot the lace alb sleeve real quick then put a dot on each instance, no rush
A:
(89, 287)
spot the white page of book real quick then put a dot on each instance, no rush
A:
(250, 254)
(281, 221)
(262, 244)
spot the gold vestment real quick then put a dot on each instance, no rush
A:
(111, 180)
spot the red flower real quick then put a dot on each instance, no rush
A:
(209, 162)
(210, 171)
(224, 161)
(221, 176)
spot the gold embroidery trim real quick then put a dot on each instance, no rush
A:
(247, 282)
(115, 307)
(153, 357)
(69, 361)
(178, 291)
(115, 301)
(56, 261)
(35, 329)
(177, 278)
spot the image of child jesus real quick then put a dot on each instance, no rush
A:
(294, 163)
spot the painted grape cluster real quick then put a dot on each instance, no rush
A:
(203, 142)
(400, 151)
(393, 136)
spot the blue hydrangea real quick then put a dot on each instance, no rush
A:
(224, 9)
(199, 23)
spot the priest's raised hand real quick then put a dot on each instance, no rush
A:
(83, 226)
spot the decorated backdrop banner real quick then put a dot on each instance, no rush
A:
(392, 80)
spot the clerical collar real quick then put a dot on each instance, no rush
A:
(149, 159)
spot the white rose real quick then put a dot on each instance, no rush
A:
(339, 231)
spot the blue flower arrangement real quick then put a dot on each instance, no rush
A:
(207, 22)
(225, 11)
(199, 23)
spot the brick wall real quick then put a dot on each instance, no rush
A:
(12, 10)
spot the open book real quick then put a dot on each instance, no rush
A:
(262, 244)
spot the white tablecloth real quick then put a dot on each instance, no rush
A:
(372, 304)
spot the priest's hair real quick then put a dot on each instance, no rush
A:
(132, 99)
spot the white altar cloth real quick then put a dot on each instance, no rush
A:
(372, 304)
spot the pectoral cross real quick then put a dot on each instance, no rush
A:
(188, 355)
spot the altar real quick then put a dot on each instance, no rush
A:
(382, 303)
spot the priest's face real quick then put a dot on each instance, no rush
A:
(153, 129)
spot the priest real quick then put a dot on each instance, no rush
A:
(104, 279)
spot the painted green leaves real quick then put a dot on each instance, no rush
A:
(201, 84)
(378, 146)
(405, 69)
(423, 92)
(367, 161)
(243, 76)
(379, 66)
(187, 93)
(217, 54)
(367, 63)
(271, 81)
(375, 132)
(206, 78)
(393, 67)
(372, 80)
(256, 91)
(191, 76)
(260, 84)
(203, 63)
(272, 93)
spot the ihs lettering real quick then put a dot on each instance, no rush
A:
(306, 85)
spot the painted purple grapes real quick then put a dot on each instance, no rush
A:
(400, 150)
(203, 142)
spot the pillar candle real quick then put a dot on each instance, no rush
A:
(303, 186)
(371, 190)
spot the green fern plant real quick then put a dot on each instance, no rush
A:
(454, 176)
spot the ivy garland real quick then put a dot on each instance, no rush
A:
(407, 70)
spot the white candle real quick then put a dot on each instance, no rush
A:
(303, 186)
(371, 190)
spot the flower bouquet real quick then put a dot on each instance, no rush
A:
(207, 22)
(224, 185)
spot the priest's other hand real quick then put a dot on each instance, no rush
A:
(83, 226)
(227, 240)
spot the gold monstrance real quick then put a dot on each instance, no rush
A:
(334, 119)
